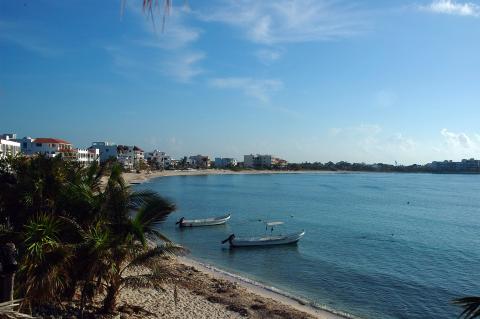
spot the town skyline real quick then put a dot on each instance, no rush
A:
(370, 82)
(99, 151)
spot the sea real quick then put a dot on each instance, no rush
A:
(377, 245)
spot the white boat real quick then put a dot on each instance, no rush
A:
(265, 240)
(203, 222)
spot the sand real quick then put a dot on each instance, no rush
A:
(207, 292)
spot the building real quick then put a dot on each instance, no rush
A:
(223, 162)
(199, 161)
(8, 145)
(87, 156)
(465, 166)
(158, 159)
(48, 146)
(263, 161)
(130, 156)
(469, 165)
(107, 150)
(52, 147)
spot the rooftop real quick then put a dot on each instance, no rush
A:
(45, 140)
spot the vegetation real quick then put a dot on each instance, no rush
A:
(79, 229)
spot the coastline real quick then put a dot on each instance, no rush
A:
(264, 291)
(195, 290)
(292, 306)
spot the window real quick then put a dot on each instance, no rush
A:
(38, 144)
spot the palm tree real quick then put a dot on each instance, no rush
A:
(132, 218)
(470, 305)
(73, 233)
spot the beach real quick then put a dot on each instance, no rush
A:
(195, 290)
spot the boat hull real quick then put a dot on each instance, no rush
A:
(267, 241)
(205, 222)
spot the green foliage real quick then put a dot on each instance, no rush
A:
(75, 233)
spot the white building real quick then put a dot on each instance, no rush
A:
(263, 161)
(130, 156)
(159, 159)
(8, 146)
(222, 162)
(199, 161)
(107, 150)
(50, 147)
(87, 156)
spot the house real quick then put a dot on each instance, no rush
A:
(8, 145)
(52, 147)
(107, 150)
(263, 161)
(48, 146)
(222, 162)
(130, 156)
(199, 161)
(158, 159)
(87, 156)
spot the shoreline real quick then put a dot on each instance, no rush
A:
(265, 291)
(142, 177)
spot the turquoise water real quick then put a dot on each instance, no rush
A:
(376, 245)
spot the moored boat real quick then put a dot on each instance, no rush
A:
(265, 240)
(203, 222)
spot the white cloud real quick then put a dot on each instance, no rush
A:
(457, 145)
(168, 52)
(285, 21)
(452, 7)
(176, 35)
(459, 140)
(260, 89)
(24, 36)
(268, 56)
(184, 66)
(369, 142)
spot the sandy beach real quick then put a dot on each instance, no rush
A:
(196, 290)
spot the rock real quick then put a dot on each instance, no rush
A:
(240, 310)
(257, 306)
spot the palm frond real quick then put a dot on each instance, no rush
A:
(145, 281)
(7, 310)
(150, 256)
(470, 305)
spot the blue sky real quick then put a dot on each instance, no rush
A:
(364, 81)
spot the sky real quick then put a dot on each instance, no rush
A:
(308, 80)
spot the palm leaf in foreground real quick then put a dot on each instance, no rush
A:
(470, 305)
(7, 310)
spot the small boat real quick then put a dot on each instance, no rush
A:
(265, 240)
(203, 222)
